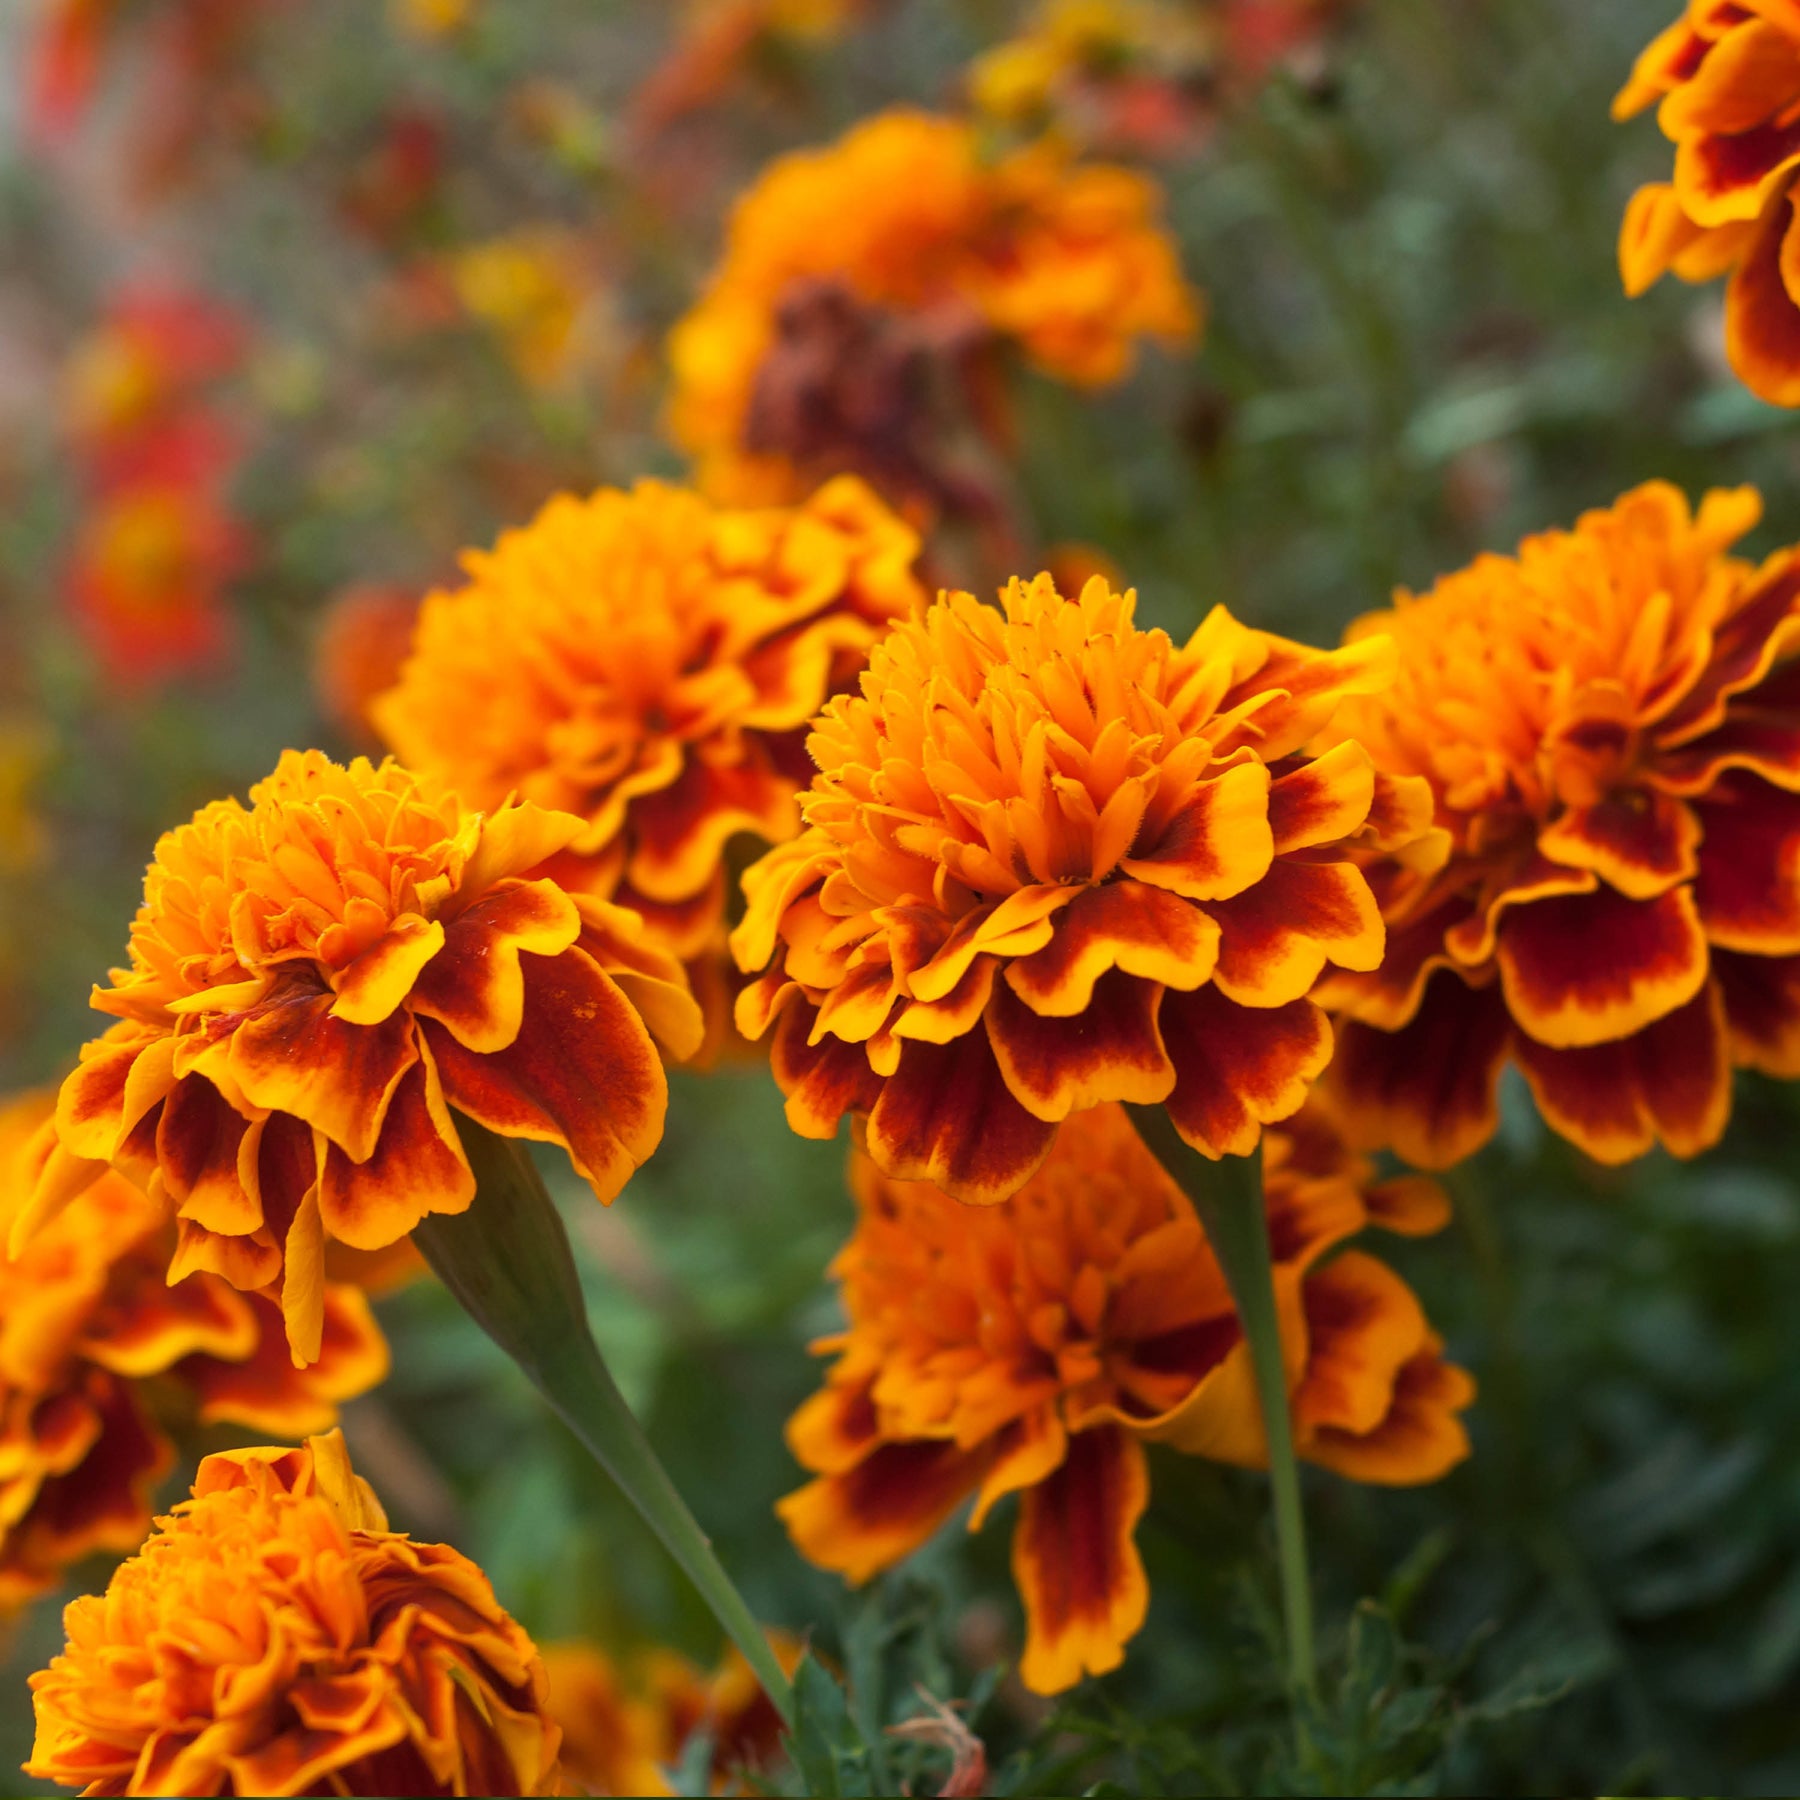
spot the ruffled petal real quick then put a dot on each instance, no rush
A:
(1363, 1323)
(1640, 842)
(1143, 930)
(1419, 1439)
(1238, 1068)
(947, 1116)
(369, 988)
(1217, 843)
(582, 1072)
(823, 1081)
(1324, 800)
(1588, 968)
(1076, 1562)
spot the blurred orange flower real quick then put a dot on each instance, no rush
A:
(1035, 1347)
(148, 572)
(274, 1637)
(364, 635)
(1725, 79)
(317, 983)
(90, 1331)
(1051, 860)
(649, 663)
(1610, 723)
(623, 1726)
(1068, 260)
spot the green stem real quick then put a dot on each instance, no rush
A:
(1228, 1197)
(507, 1260)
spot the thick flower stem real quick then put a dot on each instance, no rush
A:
(507, 1260)
(1228, 1197)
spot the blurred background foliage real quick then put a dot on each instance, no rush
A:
(455, 245)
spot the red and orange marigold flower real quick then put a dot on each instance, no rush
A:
(275, 1637)
(623, 1726)
(99, 1355)
(1035, 1347)
(903, 217)
(649, 662)
(319, 983)
(1725, 79)
(1051, 860)
(1610, 722)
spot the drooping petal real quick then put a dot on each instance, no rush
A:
(1217, 843)
(946, 1115)
(1586, 968)
(1670, 1081)
(1324, 800)
(1112, 1050)
(1277, 937)
(1419, 1439)
(418, 1167)
(474, 986)
(1762, 1010)
(821, 1081)
(1076, 1561)
(1431, 1089)
(295, 1058)
(1748, 889)
(1238, 1068)
(1362, 1324)
(1762, 322)
(867, 1518)
(198, 1140)
(582, 1072)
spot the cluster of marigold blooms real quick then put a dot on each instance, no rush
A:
(1022, 865)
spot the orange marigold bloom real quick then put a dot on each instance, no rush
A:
(87, 1320)
(1725, 79)
(318, 983)
(363, 639)
(1610, 722)
(623, 1727)
(649, 662)
(274, 1637)
(1052, 860)
(1070, 261)
(1036, 1346)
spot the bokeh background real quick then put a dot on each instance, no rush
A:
(438, 245)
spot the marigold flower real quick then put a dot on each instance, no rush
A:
(148, 572)
(623, 1726)
(274, 1637)
(96, 1348)
(649, 662)
(1725, 79)
(1068, 260)
(318, 983)
(1610, 723)
(1035, 1347)
(1052, 860)
(364, 637)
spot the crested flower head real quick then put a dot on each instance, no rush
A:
(98, 1355)
(1725, 80)
(1051, 860)
(649, 662)
(1610, 722)
(274, 1637)
(318, 983)
(1067, 260)
(1035, 1346)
